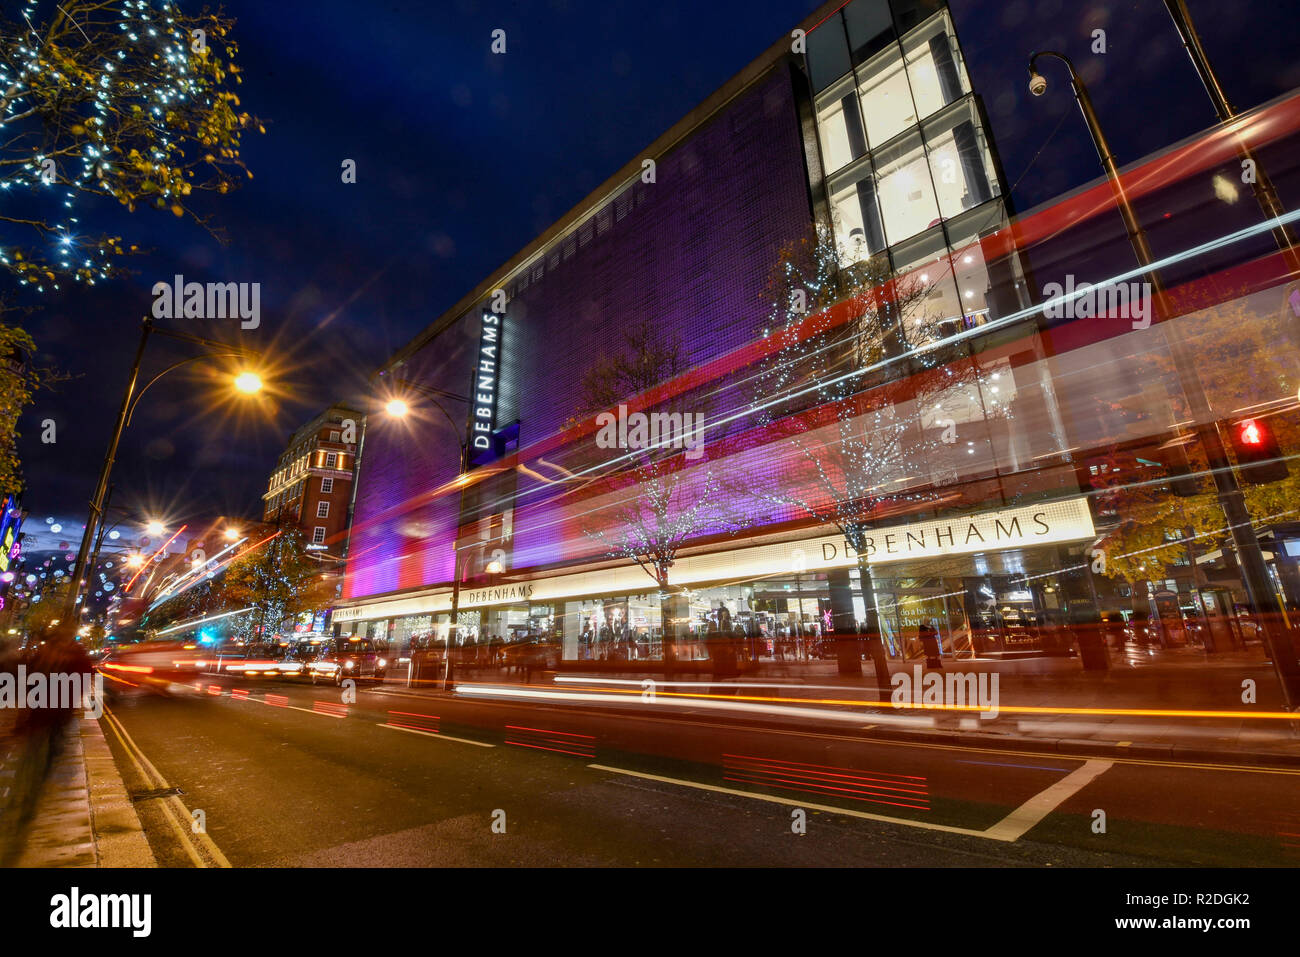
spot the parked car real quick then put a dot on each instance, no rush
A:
(356, 658)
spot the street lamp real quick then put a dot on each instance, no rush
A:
(399, 408)
(1259, 588)
(248, 382)
(155, 527)
(1265, 193)
(130, 401)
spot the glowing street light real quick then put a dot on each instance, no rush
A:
(232, 534)
(135, 561)
(155, 527)
(248, 382)
(397, 408)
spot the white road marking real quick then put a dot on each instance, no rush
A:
(1016, 824)
(1008, 830)
(435, 734)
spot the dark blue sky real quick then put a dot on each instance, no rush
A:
(464, 156)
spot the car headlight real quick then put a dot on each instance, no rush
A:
(383, 663)
(347, 664)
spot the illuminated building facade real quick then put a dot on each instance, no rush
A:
(978, 452)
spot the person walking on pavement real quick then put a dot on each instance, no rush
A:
(929, 638)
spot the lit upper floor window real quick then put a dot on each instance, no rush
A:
(893, 88)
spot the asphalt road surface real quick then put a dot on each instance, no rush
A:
(277, 774)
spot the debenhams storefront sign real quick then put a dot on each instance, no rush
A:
(1046, 523)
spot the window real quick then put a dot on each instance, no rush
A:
(318, 535)
(857, 215)
(959, 160)
(934, 66)
(886, 97)
(326, 485)
(331, 460)
(840, 124)
(335, 436)
(907, 199)
(828, 53)
(322, 509)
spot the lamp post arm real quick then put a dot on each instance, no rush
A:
(135, 403)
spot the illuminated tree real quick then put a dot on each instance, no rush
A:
(852, 386)
(661, 498)
(278, 580)
(124, 99)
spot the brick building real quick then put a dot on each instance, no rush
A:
(311, 487)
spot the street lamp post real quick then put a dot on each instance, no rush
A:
(130, 399)
(399, 408)
(1259, 589)
(1260, 184)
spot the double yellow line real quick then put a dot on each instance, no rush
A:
(203, 852)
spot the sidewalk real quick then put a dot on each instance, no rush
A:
(1081, 712)
(78, 814)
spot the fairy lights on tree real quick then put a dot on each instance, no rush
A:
(127, 100)
(661, 500)
(866, 403)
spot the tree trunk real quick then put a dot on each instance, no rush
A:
(672, 606)
(848, 641)
(871, 631)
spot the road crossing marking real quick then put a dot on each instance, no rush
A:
(1009, 830)
(1020, 821)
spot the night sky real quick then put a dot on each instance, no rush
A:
(464, 156)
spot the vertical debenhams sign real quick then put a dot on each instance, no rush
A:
(486, 378)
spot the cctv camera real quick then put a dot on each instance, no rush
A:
(1037, 84)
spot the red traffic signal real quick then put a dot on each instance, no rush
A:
(1259, 460)
(1249, 433)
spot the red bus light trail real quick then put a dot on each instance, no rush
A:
(430, 721)
(895, 790)
(561, 742)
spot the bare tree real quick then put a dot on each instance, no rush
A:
(858, 390)
(661, 498)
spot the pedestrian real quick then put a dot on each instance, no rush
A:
(929, 638)
(721, 641)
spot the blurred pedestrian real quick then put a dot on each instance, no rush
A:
(929, 638)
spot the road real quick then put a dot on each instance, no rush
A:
(291, 775)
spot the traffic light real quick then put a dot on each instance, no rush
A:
(1259, 460)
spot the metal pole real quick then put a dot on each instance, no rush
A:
(1262, 186)
(455, 566)
(1259, 590)
(101, 487)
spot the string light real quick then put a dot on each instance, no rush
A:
(131, 113)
